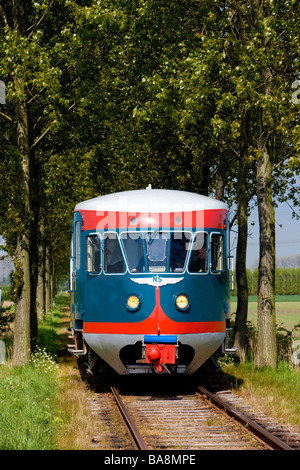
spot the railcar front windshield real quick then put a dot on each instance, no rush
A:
(156, 251)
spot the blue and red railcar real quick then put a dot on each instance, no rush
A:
(150, 280)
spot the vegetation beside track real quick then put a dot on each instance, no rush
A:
(287, 327)
(43, 405)
(275, 392)
(287, 281)
(27, 404)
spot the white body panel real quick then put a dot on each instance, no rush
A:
(151, 200)
(108, 347)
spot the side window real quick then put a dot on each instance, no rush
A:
(77, 244)
(217, 252)
(93, 254)
(113, 258)
(198, 261)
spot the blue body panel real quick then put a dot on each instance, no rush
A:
(128, 267)
(102, 297)
(105, 299)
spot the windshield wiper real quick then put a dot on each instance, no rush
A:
(153, 235)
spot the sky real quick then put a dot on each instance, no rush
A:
(287, 234)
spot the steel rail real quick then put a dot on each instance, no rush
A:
(134, 432)
(268, 438)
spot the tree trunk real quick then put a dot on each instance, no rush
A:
(22, 326)
(266, 321)
(34, 253)
(22, 278)
(219, 187)
(48, 278)
(40, 294)
(25, 258)
(240, 333)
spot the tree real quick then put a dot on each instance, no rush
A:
(264, 58)
(192, 96)
(23, 319)
(196, 106)
(272, 123)
(32, 114)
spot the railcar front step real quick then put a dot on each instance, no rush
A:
(77, 352)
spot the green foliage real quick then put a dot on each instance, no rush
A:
(285, 341)
(28, 394)
(159, 88)
(122, 94)
(287, 281)
(5, 293)
(27, 397)
(7, 316)
(47, 339)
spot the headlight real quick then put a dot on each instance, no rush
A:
(133, 302)
(182, 302)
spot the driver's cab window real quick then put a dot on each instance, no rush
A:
(134, 250)
(157, 251)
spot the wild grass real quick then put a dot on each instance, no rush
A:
(76, 424)
(273, 391)
(43, 404)
(287, 309)
(28, 395)
(27, 403)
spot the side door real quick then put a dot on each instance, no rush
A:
(92, 276)
(77, 270)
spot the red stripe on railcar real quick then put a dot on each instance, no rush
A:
(149, 327)
(106, 220)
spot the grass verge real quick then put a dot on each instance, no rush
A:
(76, 425)
(27, 404)
(43, 404)
(275, 392)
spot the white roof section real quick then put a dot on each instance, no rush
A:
(151, 200)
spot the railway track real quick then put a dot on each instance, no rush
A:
(262, 433)
(187, 420)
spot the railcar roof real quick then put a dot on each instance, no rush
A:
(151, 200)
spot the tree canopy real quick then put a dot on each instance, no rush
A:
(114, 95)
